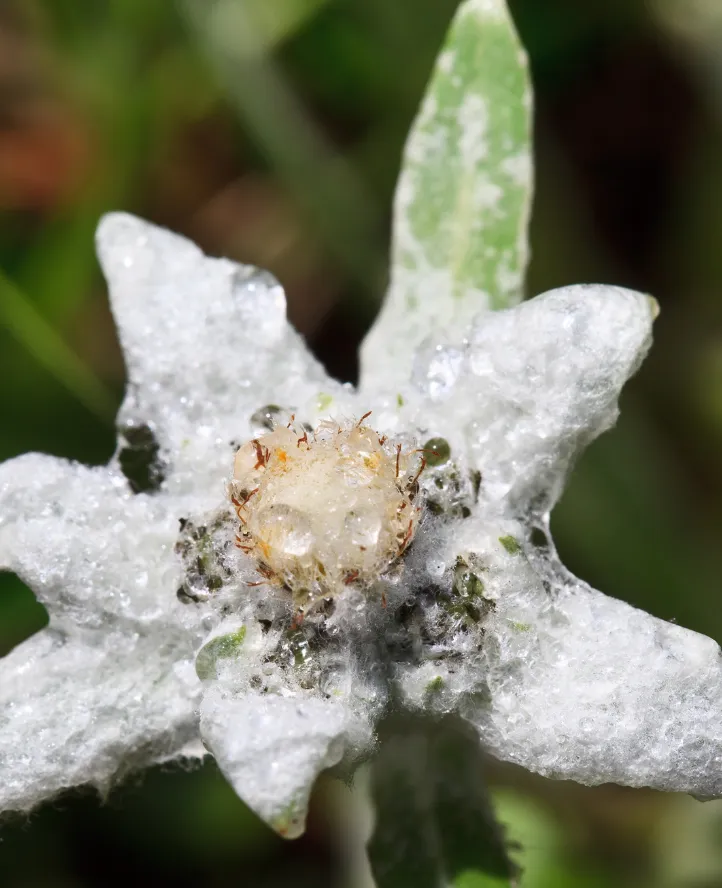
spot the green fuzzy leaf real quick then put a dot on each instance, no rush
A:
(434, 824)
(462, 201)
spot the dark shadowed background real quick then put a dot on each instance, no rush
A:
(271, 132)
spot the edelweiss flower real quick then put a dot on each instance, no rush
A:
(166, 637)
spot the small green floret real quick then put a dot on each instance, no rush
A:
(467, 601)
(466, 584)
(511, 544)
(519, 627)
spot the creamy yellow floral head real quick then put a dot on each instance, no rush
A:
(325, 509)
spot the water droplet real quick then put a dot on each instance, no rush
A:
(285, 529)
(265, 419)
(222, 647)
(299, 647)
(437, 370)
(364, 527)
(466, 583)
(437, 451)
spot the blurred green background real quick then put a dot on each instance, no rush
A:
(270, 131)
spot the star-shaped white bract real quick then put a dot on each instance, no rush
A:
(157, 643)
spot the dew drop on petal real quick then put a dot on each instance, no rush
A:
(363, 527)
(437, 452)
(285, 529)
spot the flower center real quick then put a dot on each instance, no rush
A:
(322, 510)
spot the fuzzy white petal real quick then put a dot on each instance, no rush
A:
(272, 748)
(544, 381)
(110, 686)
(529, 387)
(89, 709)
(88, 548)
(573, 684)
(206, 343)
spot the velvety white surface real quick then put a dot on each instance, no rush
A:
(554, 675)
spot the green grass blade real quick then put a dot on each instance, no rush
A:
(321, 179)
(29, 327)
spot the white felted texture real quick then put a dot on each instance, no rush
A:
(90, 549)
(273, 747)
(110, 685)
(527, 388)
(206, 344)
(77, 710)
(274, 723)
(477, 617)
(572, 684)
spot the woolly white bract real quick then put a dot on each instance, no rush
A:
(158, 646)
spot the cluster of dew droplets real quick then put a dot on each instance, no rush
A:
(325, 509)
